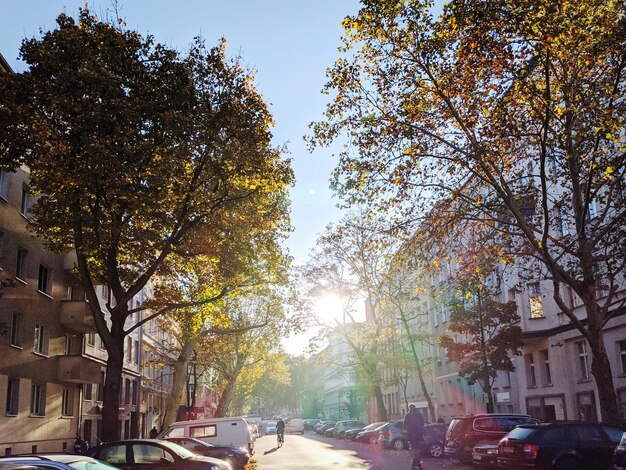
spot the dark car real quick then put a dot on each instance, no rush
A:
(393, 436)
(143, 454)
(328, 426)
(485, 455)
(320, 427)
(619, 455)
(571, 445)
(54, 461)
(342, 426)
(235, 456)
(310, 423)
(352, 434)
(370, 433)
(465, 433)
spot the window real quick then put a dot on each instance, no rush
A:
(530, 370)
(114, 455)
(91, 339)
(4, 185)
(40, 344)
(100, 394)
(621, 347)
(67, 403)
(20, 265)
(88, 392)
(27, 201)
(151, 454)
(136, 351)
(534, 297)
(583, 360)
(129, 349)
(209, 430)
(547, 373)
(16, 329)
(127, 391)
(43, 285)
(13, 397)
(38, 399)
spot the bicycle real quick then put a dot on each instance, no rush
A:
(280, 438)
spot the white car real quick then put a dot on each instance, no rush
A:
(295, 425)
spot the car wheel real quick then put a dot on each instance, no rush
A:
(398, 444)
(568, 463)
(436, 450)
(373, 440)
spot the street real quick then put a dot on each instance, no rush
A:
(313, 452)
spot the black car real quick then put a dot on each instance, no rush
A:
(369, 435)
(562, 445)
(146, 454)
(235, 456)
(393, 436)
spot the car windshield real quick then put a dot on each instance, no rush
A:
(179, 450)
(455, 427)
(369, 427)
(520, 433)
(90, 465)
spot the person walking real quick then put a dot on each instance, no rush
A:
(414, 426)
(153, 432)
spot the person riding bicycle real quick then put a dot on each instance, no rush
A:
(280, 430)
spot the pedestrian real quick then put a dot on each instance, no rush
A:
(414, 425)
(153, 432)
(441, 420)
(80, 446)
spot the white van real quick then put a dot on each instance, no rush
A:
(294, 425)
(218, 431)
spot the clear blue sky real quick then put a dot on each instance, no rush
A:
(288, 42)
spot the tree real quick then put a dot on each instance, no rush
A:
(349, 260)
(508, 115)
(243, 351)
(493, 336)
(137, 153)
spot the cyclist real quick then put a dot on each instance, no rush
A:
(280, 431)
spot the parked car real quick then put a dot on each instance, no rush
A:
(54, 461)
(619, 455)
(485, 455)
(369, 435)
(310, 423)
(269, 426)
(294, 425)
(237, 457)
(319, 426)
(465, 433)
(324, 425)
(393, 436)
(562, 445)
(144, 454)
(342, 426)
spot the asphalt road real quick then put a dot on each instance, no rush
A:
(313, 452)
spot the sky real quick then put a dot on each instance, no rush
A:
(289, 43)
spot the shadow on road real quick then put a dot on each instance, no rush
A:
(271, 450)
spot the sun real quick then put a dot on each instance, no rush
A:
(329, 308)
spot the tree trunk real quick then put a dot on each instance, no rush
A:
(601, 370)
(180, 381)
(380, 403)
(420, 374)
(112, 387)
(222, 406)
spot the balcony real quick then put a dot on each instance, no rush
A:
(78, 369)
(76, 316)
